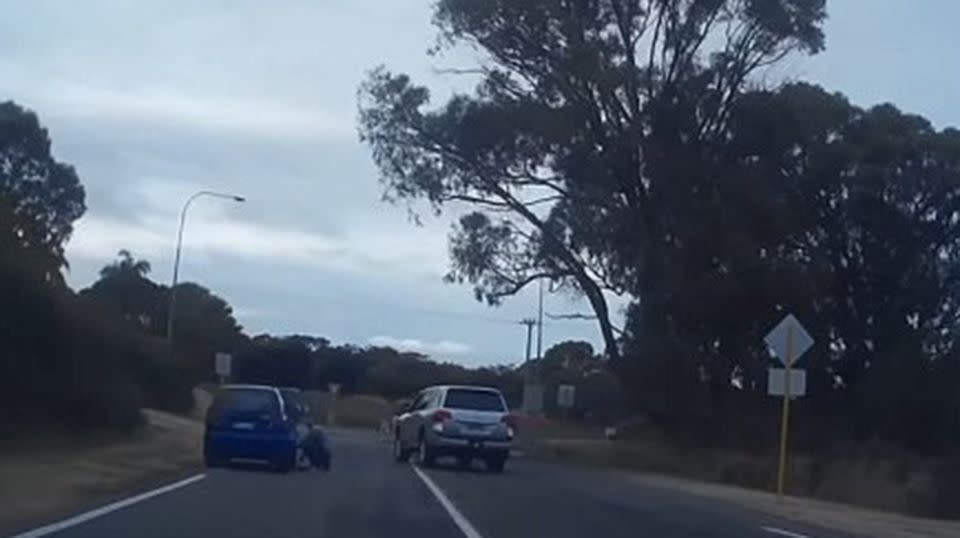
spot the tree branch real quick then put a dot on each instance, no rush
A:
(460, 71)
(519, 284)
(543, 200)
(580, 316)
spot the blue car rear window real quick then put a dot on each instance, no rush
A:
(245, 401)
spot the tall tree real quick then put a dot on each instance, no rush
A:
(127, 265)
(848, 218)
(40, 197)
(124, 287)
(205, 325)
(587, 137)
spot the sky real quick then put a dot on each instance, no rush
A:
(154, 100)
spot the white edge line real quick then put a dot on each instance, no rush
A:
(447, 504)
(104, 510)
(781, 532)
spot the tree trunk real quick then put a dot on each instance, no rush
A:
(599, 304)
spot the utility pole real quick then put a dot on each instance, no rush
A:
(540, 322)
(530, 323)
(527, 367)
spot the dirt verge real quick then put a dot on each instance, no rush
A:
(44, 479)
(711, 473)
(825, 514)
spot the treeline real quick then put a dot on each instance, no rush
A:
(629, 148)
(844, 216)
(66, 359)
(93, 358)
(313, 363)
(309, 362)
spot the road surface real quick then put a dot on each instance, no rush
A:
(366, 495)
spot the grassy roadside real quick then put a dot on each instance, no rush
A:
(44, 479)
(881, 484)
(864, 498)
(825, 514)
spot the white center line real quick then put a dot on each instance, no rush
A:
(104, 510)
(782, 532)
(465, 526)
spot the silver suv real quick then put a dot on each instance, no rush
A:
(465, 422)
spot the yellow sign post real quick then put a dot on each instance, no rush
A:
(785, 415)
(788, 341)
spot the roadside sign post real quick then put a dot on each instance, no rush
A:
(331, 411)
(789, 341)
(532, 398)
(785, 414)
(777, 382)
(223, 364)
(565, 398)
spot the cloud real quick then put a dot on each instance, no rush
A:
(221, 114)
(434, 349)
(102, 238)
(259, 100)
(365, 251)
(250, 313)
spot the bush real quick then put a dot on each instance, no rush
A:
(164, 382)
(166, 385)
(946, 486)
(111, 405)
(66, 363)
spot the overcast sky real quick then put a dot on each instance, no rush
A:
(153, 100)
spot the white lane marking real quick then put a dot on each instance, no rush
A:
(104, 510)
(781, 532)
(465, 526)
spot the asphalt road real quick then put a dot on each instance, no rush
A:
(366, 494)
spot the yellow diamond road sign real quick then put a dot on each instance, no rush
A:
(789, 329)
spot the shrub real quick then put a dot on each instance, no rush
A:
(946, 486)
(113, 405)
(166, 384)
(65, 363)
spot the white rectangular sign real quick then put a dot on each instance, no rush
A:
(777, 382)
(223, 363)
(533, 398)
(789, 332)
(565, 396)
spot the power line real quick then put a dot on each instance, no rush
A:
(426, 311)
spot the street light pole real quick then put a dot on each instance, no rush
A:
(176, 258)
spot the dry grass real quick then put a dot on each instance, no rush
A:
(858, 521)
(54, 476)
(361, 411)
(202, 398)
(886, 485)
(357, 411)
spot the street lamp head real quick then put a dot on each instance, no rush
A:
(239, 199)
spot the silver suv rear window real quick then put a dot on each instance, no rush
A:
(474, 400)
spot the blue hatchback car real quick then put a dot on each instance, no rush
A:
(249, 423)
